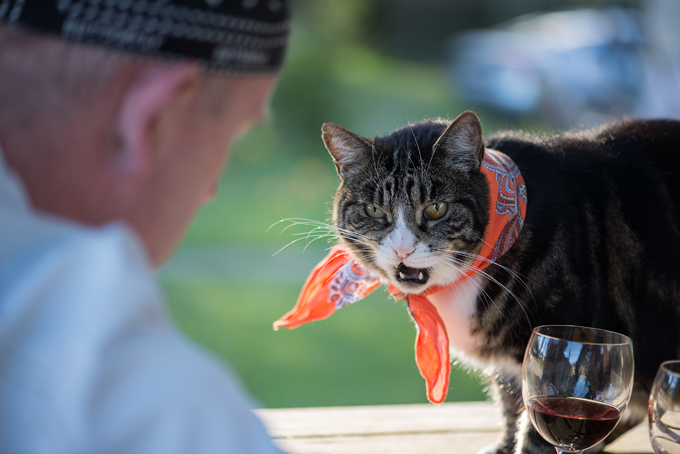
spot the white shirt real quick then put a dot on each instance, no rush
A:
(89, 360)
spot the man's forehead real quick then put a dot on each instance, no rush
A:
(225, 36)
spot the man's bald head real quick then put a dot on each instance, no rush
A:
(46, 80)
(99, 135)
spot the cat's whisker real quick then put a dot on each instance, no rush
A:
(509, 292)
(469, 267)
(361, 244)
(310, 237)
(355, 237)
(300, 221)
(475, 257)
(296, 221)
(292, 242)
(427, 171)
(275, 224)
(317, 225)
(366, 251)
(483, 241)
(375, 165)
(467, 293)
(319, 230)
(370, 179)
(485, 295)
(490, 278)
(314, 235)
(313, 240)
(422, 175)
(292, 224)
(349, 233)
(358, 241)
(410, 158)
(519, 277)
(310, 240)
(311, 233)
(316, 228)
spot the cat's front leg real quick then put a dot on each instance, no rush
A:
(518, 435)
(528, 440)
(507, 392)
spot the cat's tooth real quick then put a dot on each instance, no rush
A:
(402, 275)
(420, 276)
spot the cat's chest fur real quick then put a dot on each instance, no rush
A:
(456, 306)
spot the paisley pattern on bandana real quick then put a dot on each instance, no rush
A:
(349, 285)
(511, 191)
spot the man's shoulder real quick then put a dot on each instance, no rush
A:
(66, 276)
(42, 244)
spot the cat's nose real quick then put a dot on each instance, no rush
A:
(403, 252)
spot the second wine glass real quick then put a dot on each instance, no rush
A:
(576, 383)
(664, 409)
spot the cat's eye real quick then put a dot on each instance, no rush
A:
(436, 210)
(374, 212)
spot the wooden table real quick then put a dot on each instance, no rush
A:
(409, 429)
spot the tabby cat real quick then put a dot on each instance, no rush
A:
(600, 244)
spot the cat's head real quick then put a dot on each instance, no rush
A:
(412, 207)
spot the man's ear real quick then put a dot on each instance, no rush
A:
(347, 149)
(149, 95)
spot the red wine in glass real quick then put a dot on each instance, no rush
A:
(570, 421)
(576, 383)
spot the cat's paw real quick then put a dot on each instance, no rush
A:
(492, 449)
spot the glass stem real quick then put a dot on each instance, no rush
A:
(560, 451)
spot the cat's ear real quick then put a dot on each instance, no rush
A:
(462, 142)
(349, 151)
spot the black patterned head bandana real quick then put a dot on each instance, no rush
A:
(226, 36)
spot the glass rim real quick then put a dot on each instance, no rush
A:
(665, 366)
(598, 331)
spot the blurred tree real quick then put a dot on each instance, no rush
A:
(320, 31)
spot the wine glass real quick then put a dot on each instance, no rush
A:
(664, 409)
(576, 383)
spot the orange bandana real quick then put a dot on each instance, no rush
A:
(338, 281)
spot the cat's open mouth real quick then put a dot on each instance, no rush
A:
(412, 275)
